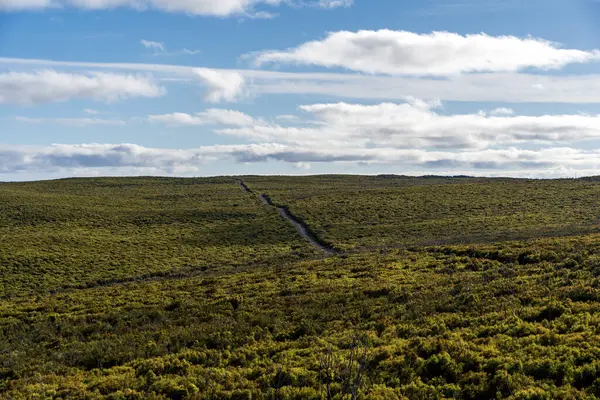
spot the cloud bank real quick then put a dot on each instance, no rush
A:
(49, 86)
(95, 158)
(438, 53)
(414, 125)
(508, 87)
(415, 135)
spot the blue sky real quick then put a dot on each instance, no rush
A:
(220, 87)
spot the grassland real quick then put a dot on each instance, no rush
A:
(364, 213)
(152, 288)
(82, 233)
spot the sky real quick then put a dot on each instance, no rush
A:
(297, 87)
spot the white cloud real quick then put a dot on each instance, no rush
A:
(438, 53)
(161, 50)
(287, 117)
(159, 46)
(416, 125)
(414, 136)
(303, 165)
(229, 117)
(177, 119)
(189, 52)
(486, 87)
(329, 4)
(50, 86)
(502, 111)
(211, 116)
(260, 15)
(130, 159)
(489, 159)
(222, 85)
(93, 111)
(75, 122)
(93, 156)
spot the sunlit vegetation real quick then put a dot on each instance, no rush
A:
(81, 233)
(388, 211)
(194, 289)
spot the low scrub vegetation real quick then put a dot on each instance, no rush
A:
(192, 289)
(364, 213)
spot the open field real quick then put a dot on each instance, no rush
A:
(152, 288)
(80, 233)
(387, 211)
